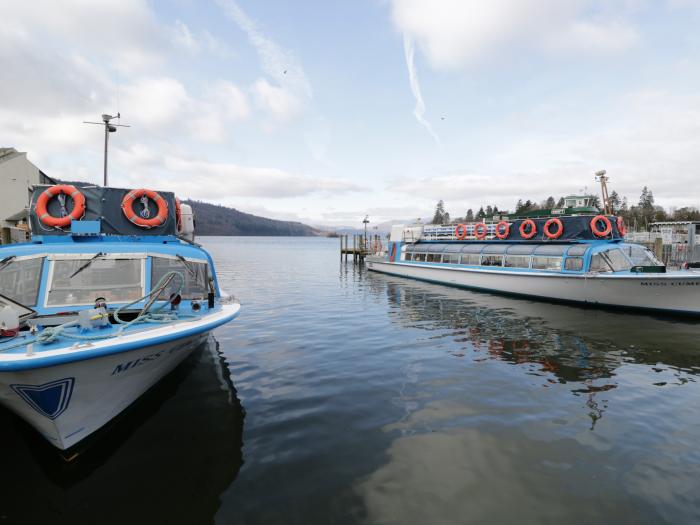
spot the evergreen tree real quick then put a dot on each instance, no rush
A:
(560, 202)
(615, 202)
(439, 212)
(480, 214)
(495, 210)
(549, 203)
(470, 215)
(489, 211)
(519, 206)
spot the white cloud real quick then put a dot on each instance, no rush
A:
(458, 33)
(277, 102)
(155, 101)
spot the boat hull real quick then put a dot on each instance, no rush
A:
(67, 403)
(68, 393)
(672, 293)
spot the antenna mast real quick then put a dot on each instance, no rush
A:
(600, 176)
(109, 128)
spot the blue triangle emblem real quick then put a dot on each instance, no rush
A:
(50, 399)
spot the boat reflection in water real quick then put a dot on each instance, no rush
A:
(530, 412)
(165, 460)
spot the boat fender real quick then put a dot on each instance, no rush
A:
(556, 233)
(145, 221)
(596, 230)
(76, 214)
(480, 230)
(502, 230)
(528, 233)
(461, 232)
(621, 228)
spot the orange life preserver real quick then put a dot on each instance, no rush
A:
(533, 229)
(42, 203)
(481, 230)
(461, 231)
(594, 226)
(505, 233)
(145, 222)
(178, 215)
(559, 230)
(621, 228)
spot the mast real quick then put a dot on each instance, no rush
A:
(109, 128)
(600, 176)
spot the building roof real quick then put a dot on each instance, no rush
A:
(9, 153)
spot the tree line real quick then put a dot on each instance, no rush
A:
(638, 215)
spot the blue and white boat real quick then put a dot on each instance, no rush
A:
(577, 259)
(107, 298)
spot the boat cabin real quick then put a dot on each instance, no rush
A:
(599, 257)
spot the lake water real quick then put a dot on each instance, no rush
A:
(346, 396)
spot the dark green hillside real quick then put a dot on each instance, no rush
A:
(212, 219)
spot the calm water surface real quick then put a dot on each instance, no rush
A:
(345, 396)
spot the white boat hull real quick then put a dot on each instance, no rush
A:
(67, 394)
(675, 292)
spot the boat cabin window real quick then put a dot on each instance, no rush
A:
(471, 259)
(610, 261)
(20, 279)
(577, 249)
(77, 282)
(491, 260)
(451, 258)
(550, 249)
(433, 257)
(407, 256)
(640, 256)
(573, 264)
(618, 261)
(419, 257)
(517, 261)
(195, 274)
(546, 263)
(521, 249)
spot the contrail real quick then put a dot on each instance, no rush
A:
(419, 110)
(279, 63)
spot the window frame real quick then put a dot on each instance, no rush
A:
(42, 269)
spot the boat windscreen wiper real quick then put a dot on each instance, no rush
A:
(7, 261)
(187, 264)
(97, 256)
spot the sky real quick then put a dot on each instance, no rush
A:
(324, 111)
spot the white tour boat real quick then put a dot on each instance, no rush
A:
(578, 259)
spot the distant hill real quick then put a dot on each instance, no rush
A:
(213, 219)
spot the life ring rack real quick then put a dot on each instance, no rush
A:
(597, 231)
(42, 203)
(145, 222)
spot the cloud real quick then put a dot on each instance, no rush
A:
(218, 181)
(419, 110)
(277, 102)
(457, 33)
(286, 98)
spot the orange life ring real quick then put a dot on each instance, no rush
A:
(502, 234)
(461, 231)
(533, 229)
(145, 222)
(481, 230)
(42, 203)
(594, 226)
(621, 228)
(178, 215)
(556, 234)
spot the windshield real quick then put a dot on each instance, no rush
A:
(195, 274)
(20, 279)
(640, 256)
(611, 260)
(117, 280)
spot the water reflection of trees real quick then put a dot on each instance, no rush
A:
(165, 460)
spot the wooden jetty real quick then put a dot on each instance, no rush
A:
(360, 248)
